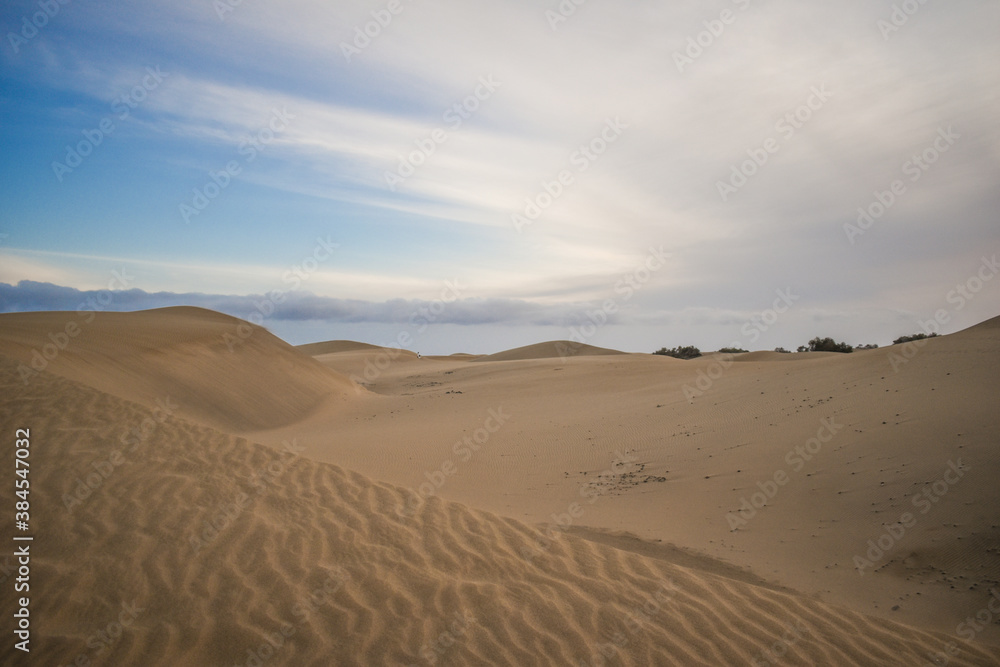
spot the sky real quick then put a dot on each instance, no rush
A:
(471, 177)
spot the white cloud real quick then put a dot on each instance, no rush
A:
(656, 185)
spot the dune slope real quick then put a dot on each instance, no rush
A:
(206, 366)
(336, 346)
(549, 350)
(195, 547)
(674, 452)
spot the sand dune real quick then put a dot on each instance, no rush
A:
(458, 356)
(764, 355)
(361, 364)
(204, 365)
(200, 548)
(552, 349)
(542, 510)
(335, 346)
(695, 439)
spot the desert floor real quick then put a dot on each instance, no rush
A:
(203, 493)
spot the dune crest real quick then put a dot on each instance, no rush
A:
(551, 349)
(204, 365)
(338, 346)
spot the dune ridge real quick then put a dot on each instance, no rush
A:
(337, 346)
(217, 550)
(204, 365)
(764, 355)
(548, 350)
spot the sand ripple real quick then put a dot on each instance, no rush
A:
(200, 548)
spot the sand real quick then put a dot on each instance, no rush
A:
(219, 370)
(550, 350)
(540, 510)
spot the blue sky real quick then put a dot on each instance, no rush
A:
(737, 137)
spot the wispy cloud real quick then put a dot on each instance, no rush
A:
(297, 306)
(656, 184)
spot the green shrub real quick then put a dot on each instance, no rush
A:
(686, 352)
(829, 345)
(732, 350)
(907, 339)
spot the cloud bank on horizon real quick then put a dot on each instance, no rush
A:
(662, 171)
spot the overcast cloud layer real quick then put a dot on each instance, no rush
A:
(674, 166)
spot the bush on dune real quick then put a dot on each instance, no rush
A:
(908, 339)
(686, 352)
(828, 345)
